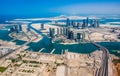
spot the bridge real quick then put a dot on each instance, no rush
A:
(103, 70)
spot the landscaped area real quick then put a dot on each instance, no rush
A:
(2, 69)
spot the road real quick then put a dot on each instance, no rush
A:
(103, 71)
(16, 49)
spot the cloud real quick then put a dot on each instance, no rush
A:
(89, 8)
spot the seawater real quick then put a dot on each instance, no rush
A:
(84, 48)
(78, 48)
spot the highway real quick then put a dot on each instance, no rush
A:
(16, 49)
(103, 70)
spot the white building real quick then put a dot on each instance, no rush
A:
(60, 71)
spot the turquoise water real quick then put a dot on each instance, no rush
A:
(78, 48)
(4, 36)
(112, 46)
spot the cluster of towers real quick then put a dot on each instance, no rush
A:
(58, 31)
(42, 26)
(77, 36)
(87, 23)
(16, 28)
(66, 32)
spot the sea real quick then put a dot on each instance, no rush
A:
(84, 48)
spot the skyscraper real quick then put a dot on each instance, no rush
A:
(42, 26)
(28, 28)
(92, 23)
(72, 23)
(98, 23)
(68, 22)
(12, 29)
(70, 35)
(87, 22)
(78, 25)
(20, 27)
(61, 31)
(16, 28)
(58, 31)
(84, 24)
(78, 35)
(64, 31)
(67, 31)
(51, 32)
(83, 36)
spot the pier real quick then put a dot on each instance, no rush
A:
(52, 51)
(41, 50)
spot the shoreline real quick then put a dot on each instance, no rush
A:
(47, 26)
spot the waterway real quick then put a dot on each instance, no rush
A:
(45, 43)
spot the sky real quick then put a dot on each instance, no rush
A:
(58, 7)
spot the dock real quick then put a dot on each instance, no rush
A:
(62, 52)
(52, 51)
(41, 49)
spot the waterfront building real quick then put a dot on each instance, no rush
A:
(94, 23)
(87, 22)
(68, 22)
(71, 35)
(61, 32)
(84, 24)
(51, 32)
(16, 28)
(64, 31)
(98, 23)
(91, 23)
(72, 23)
(12, 29)
(42, 26)
(67, 31)
(28, 28)
(83, 36)
(58, 31)
(20, 27)
(78, 25)
(78, 35)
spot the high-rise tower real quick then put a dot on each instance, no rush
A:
(68, 22)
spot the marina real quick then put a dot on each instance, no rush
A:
(81, 48)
